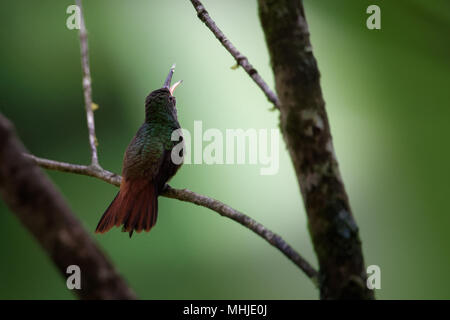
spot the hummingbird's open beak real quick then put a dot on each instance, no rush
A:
(169, 80)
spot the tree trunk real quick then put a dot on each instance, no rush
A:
(43, 211)
(306, 131)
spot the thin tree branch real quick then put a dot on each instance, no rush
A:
(91, 171)
(43, 211)
(195, 198)
(87, 87)
(237, 55)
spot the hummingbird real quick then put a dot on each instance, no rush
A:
(147, 165)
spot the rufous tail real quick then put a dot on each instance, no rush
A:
(135, 207)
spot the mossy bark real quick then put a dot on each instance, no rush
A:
(43, 211)
(306, 131)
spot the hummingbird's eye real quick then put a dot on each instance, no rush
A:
(171, 99)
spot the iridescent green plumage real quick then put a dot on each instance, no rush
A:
(147, 165)
(152, 143)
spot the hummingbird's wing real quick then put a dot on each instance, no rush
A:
(143, 157)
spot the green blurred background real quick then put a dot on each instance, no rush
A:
(387, 95)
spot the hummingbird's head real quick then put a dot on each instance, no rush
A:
(162, 100)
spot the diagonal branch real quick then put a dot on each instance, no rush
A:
(240, 58)
(41, 208)
(87, 88)
(195, 198)
(226, 211)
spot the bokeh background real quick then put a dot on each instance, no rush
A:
(387, 95)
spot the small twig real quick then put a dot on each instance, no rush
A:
(92, 171)
(195, 198)
(87, 88)
(237, 55)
